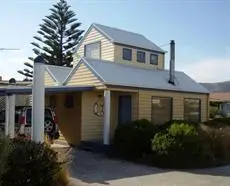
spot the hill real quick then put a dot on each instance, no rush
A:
(217, 87)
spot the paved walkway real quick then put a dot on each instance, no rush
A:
(88, 169)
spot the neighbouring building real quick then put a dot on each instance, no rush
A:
(221, 101)
(20, 100)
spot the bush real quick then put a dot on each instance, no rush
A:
(179, 147)
(133, 139)
(218, 122)
(5, 148)
(31, 163)
(213, 111)
(216, 144)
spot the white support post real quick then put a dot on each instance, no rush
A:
(7, 113)
(11, 116)
(38, 103)
(107, 107)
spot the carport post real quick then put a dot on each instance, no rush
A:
(107, 105)
(38, 94)
(7, 113)
(11, 120)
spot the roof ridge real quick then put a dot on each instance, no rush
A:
(129, 66)
(118, 29)
(56, 66)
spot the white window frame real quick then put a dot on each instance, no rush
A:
(98, 43)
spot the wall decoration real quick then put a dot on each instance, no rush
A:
(98, 107)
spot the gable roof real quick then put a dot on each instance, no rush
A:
(112, 73)
(120, 36)
(58, 73)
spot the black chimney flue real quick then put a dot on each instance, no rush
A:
(172, 63)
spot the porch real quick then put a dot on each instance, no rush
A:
(92, 116)
(84, 113)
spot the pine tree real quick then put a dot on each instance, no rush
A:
(57, 38)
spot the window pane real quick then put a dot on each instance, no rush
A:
(127, 54)
(161, 109)
(192, 110)
(140, 56)
(93, 50)
(153, 59)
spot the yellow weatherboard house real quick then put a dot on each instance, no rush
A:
(122, 78)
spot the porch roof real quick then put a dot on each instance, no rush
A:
(58, 73)
(50, 89)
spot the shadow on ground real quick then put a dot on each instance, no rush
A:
(97, 168)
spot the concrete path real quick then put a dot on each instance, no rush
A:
(88, 169)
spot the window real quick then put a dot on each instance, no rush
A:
(127, 54)
(161, 109)
(192, 110)
(93, 50)
(153, 59)
(69, 101)
(141, 57)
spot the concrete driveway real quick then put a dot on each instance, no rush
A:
(89, 169)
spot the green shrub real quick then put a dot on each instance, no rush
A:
(5, 147)
(133, 139)
(179, 147)
(213, 111)
(163, 143)
(218, 122)
(216, 144)
(31, 163)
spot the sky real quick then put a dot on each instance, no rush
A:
(200, 28)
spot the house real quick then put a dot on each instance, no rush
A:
(20, 100)
(221, 101)
(118, 76)
(126, 79)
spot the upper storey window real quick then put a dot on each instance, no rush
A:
(127, 54)
(153, 59)
(141, 56)
(93, 50)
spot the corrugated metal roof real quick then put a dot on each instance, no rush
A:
(58, 73)
(113, 73)
(127, 38)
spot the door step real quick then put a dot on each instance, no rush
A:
(96, 147)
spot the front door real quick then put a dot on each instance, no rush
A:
(124, 109)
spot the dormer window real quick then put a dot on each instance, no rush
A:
(140, 56)
(127, 54)
(93, 50)
(154, 59)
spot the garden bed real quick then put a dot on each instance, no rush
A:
(176, 144)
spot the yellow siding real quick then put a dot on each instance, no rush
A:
(118, 56)
(114, 108)
(49, 80)
(83, 76)
(92, 125)
(69, 119)
(178, 103)
(107, 48)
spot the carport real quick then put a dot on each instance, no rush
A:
(69, 119)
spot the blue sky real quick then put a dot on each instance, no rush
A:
(201, 30)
